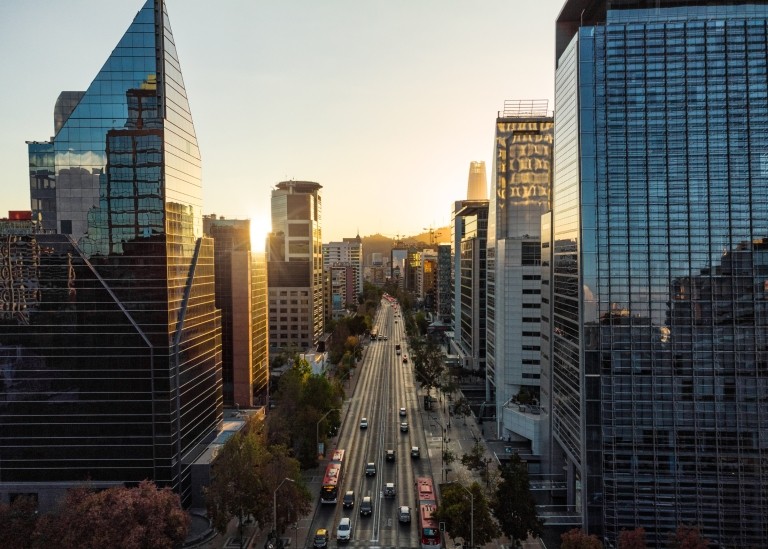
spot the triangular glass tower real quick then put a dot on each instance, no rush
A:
(117, 368)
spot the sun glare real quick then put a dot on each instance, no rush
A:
(260, 227)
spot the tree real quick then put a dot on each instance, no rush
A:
(458, 510)
(576, 539)
(462, 409)
(246, 473)
(632, 539)
(475, 459)
(237, 488)
(513, 504)
(131, 518)
(18, 522)
(302, 401)
(687, 537)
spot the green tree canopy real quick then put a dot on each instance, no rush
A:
(246, 473)
(460, 512)
(513, 504)
(302, 401)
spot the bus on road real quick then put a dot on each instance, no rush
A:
(329, 492)
(426, 504)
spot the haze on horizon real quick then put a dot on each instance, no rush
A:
(384, 104)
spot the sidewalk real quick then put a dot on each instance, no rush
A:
(461, 436)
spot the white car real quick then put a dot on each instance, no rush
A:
(344, 531)
(404, 514)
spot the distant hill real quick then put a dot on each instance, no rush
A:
(378, 243)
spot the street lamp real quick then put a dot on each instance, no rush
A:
(274, 503)
(317, 427)
(471, 513)
(442, 448)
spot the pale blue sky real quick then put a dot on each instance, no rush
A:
(384, 103)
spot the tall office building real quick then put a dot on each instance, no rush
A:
(521, 186)
(241, 295)
(659, 266)
(444, 287)
(347, 254)
(469, 230)
(295, 266)
(112, 365)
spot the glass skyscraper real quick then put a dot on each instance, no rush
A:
(659, 362)
(112, 365)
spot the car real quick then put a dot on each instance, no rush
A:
(370, 469)
(366, 506)
(385, 338)
(349, 499)
(404, 513)
(415, 452)
(321, 538)
(333, 431)
(405, 360)
(364, 423)
(389, 490)
(402, 412)
(395, 321)
(404, 427)
(389, 455)
(344, 531)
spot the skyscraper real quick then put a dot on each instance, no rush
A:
(112, 367)
(295, 266)
(659, 333)
(241, 294)
(521, 187)
(469, 230)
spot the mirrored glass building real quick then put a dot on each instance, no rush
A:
(112, 364)
(659, 360)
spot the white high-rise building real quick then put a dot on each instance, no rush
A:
(522, 178)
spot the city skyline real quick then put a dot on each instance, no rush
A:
(404, 112)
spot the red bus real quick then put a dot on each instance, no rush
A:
(329, 492)
(426, 503)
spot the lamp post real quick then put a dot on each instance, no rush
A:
(442, 448)
(274, 503)
(471, 513)
(317, 427)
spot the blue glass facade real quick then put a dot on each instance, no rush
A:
(113, 366)
(660, 227)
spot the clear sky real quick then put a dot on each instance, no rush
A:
(382, 102)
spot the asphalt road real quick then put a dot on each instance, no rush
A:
(384, 385)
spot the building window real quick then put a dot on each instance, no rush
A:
(531, 253)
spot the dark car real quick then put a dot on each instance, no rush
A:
(349, 499)
(370, 469)
(404, 427)
(366, 506)
(415, 452)
(390, 455)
